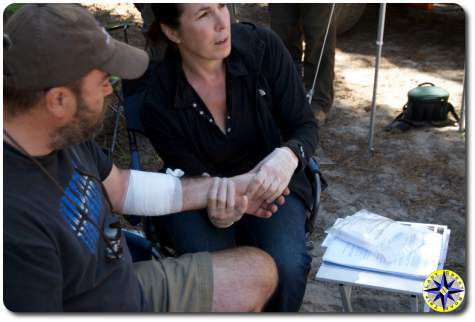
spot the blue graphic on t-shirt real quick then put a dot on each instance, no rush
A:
(81, 205)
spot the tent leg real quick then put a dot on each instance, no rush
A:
(462, 109)
(379, 44)
(345, 293)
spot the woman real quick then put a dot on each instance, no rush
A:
(227, 100)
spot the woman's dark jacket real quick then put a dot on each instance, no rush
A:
(261, 63)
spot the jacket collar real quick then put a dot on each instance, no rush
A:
(184, 93)
(234, 64)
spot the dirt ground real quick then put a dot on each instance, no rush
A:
(414, 176)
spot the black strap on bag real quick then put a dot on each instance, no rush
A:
(401, 122)
(454, 114)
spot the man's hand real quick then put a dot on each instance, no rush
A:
(273, 175)
(224, 206)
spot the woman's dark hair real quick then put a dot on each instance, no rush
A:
(167, 14)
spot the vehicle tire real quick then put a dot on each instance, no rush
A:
(348, 14)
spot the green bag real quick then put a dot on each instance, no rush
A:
(426, 106)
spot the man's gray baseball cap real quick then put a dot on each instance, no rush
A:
(55, 44)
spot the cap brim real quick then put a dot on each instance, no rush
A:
(126, 62)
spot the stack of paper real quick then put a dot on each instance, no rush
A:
(417, 264)
(378, 234)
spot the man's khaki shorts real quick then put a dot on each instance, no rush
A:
(183, 284)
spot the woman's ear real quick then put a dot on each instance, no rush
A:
(171, 33)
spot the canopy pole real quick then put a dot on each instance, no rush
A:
(379, 44)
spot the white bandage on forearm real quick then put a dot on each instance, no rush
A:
(152, 194)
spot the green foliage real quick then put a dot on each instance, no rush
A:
(12, 8)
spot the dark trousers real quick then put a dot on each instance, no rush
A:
(282, 236)
(308, 22)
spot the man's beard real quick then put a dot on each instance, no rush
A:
(85, 125)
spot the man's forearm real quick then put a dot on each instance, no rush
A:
(155, 194)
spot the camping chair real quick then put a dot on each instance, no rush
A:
(133, 93)
(115, 82)
(319, 185)
(143, 244)
(140, 247)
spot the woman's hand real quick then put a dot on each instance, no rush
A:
(257, 206)
(273, 175)
(225, 207)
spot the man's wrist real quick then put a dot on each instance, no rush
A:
(195, 192)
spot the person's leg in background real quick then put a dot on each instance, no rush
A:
(283, 237)
(155, 48)
(285, 21)
(315, 21)
(145, 10)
